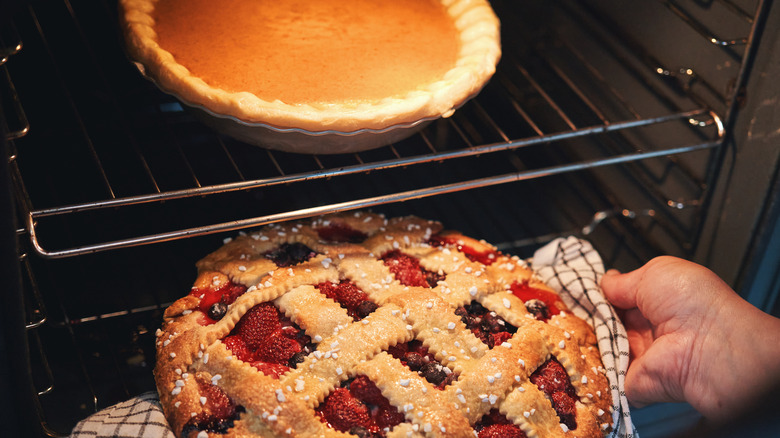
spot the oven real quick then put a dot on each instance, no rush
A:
(648, 127)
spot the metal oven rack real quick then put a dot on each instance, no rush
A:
(551, 70)
(589, 127)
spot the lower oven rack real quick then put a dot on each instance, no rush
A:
(89, 352)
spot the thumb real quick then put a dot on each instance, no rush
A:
(630, 290)
(620, 289)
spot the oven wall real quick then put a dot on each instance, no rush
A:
(743, 214)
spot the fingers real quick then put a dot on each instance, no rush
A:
(654, 376)
(639, 332)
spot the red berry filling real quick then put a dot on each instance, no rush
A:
(416, 356)
(268, 340)
(215, 299)
(359, 408)
(407, 270)
(485, 257)
(218, 414)
(495, 425)
(343, 411)
(341, 233)
(541, 303)
(486, 325)
(289, 254)
(349, 296)
(552, 379)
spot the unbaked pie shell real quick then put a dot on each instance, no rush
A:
(244, 112)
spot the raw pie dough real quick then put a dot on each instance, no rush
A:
(194, 362)
(342, 65)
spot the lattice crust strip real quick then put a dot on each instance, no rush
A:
(192, 347)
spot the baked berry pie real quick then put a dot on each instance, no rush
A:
(341, 65)
(356, 325)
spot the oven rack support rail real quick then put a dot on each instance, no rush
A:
(704, 117)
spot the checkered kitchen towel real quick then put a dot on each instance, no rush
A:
(139, 417)
(571, 266)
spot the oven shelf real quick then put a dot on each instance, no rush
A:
(35, 216)
(576, 94)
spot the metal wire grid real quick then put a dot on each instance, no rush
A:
(426, 149)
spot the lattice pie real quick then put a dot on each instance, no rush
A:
(355, 325)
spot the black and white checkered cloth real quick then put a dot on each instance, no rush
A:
(139, 417)
(571, 266)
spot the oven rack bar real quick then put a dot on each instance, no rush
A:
(10, 42)
(15, 120)
(583, 230)
(355, 204)
(702, 29)
(692, 117)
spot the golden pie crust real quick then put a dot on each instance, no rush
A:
(487, 378)
(330, 65)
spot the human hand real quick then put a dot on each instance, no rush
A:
(692, 338)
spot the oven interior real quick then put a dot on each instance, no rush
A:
(607, 121)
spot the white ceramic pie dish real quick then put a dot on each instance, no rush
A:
(321, 128)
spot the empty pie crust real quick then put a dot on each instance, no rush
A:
(419, 286)
(337, 65)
